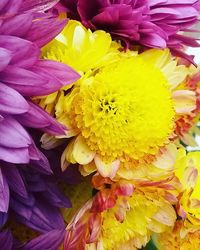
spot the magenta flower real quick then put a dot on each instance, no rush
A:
(152, 23)
(24, 75)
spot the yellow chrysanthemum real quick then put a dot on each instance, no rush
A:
(119, 112)
(121, 217)
(122, 111)
(145, 212)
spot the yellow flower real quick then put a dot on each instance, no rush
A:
(121, 218)
(82, 49)
(145, 211)
(122, 111)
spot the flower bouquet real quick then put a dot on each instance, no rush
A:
(99, 115)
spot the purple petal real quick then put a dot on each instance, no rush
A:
(43, 217)
(37, 5)
(29, 83)
(15, 180)
(17, 155)
(4, 193)
(13, 135)
(18, 205)
(44, 30)
(5, 57)
(20, 48)
(62, 72)
(55, 197)
(10, 7)
(17, 25)
(38, 118)
(42, 165)
(11, 101)
(51, 240)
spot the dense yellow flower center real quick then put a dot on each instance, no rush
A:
(124, 111)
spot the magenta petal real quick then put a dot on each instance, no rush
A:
(4, 193)
(19, 155)
(37, 5)
(5, 57)
(38, 118)
(11, 7)
(13, 135)
(11, 101)
(153, 40)
(44, 30)
(20, 48)
(17, 25)
(65, 74)
(29, 83)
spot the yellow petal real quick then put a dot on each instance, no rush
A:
(64, 162)
(81, 152)
(167, 157)
(87, 169)
(157, 57)
(185, 101)
(166, 215)
(106, 169)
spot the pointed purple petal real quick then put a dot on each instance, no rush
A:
(29, 83)
(15, 180)
(11, 101)
(13, 135)
(19, 155)
(42, 165)
(38, 118)
(51, 240)
(62, 72)
(20, 48)
(55, 197)
(43, 217)
(18, 206)
(44, 30)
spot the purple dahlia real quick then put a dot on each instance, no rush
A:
(24, 27)
(152, 23)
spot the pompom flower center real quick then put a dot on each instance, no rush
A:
(124, 111)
